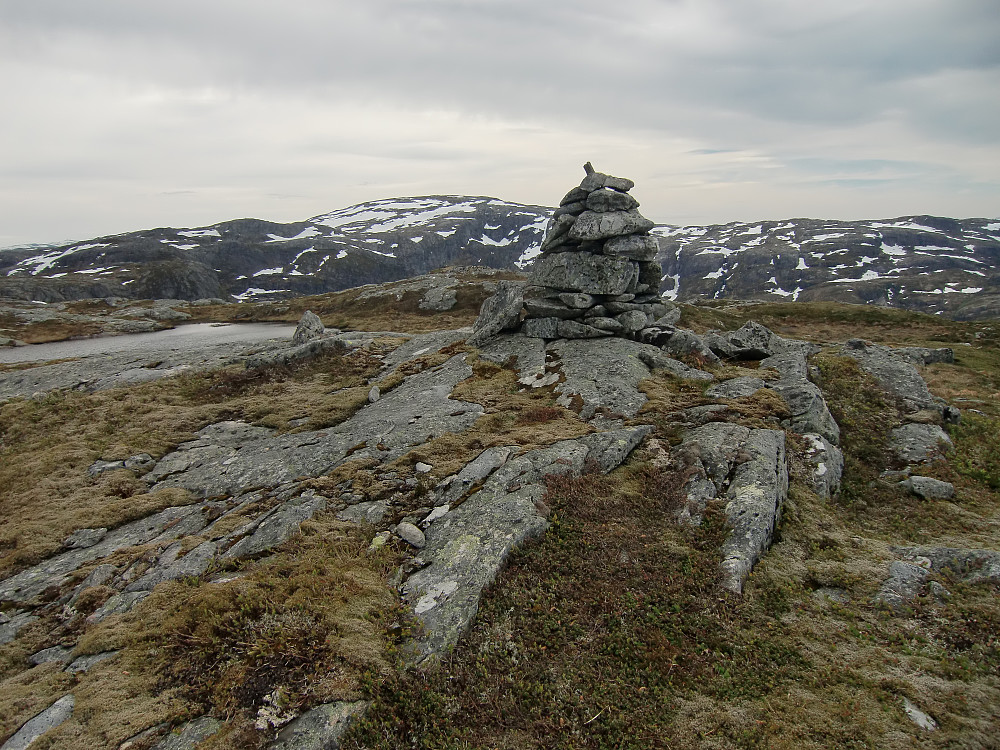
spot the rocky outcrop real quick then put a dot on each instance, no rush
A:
(51, 717)
(466, 547)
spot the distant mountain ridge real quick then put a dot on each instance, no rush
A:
(933, 264)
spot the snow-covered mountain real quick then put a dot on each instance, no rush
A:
(933, 264)
(372, 242)
(926, 263)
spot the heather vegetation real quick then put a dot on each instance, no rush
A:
(608, 631)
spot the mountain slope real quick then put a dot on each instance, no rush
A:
(925, 263)
(369, 243)
(931, 264)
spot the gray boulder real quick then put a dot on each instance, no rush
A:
(541, 328)
(756, 495)
(754, 341)
(411, 535)
(682, 342)
(905, 581)
(919, 443)
(928, 488)
(606, 199)
(500, 312)
(585, 272)
(310, 328)
(894, 372)
(592, 225)
(439, 299)
(747, 467)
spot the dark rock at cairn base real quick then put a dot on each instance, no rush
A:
(634, 246)
(585, 272)
(606, 199)
(570, 329)
(500, 312)
(550, 308)
(604, 324)
(591, 225)
(541, 328)
(577, 299)
(633, 320)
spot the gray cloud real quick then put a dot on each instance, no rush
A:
(240, 101)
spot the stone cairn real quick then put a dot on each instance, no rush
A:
(597, 274)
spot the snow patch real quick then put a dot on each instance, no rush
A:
(192, 233)
(304, 234)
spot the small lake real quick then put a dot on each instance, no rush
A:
(182, 337)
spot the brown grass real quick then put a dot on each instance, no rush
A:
(307, 622)
(48, 444)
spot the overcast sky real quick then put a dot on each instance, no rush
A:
(128, 114)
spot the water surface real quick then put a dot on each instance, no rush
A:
(190, 336)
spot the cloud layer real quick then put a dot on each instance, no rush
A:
(121, 115)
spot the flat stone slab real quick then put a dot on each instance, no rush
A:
(34, 728)
(584, 272)
(756, 495)
(168, 524)
(605, 374)
(230, 457)
(736, 387)
(319, 728)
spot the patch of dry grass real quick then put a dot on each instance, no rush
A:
(46, 445)
(303, 625)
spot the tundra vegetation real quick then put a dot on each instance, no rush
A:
(609, 631)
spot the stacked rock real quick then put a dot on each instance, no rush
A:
(597, 274)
